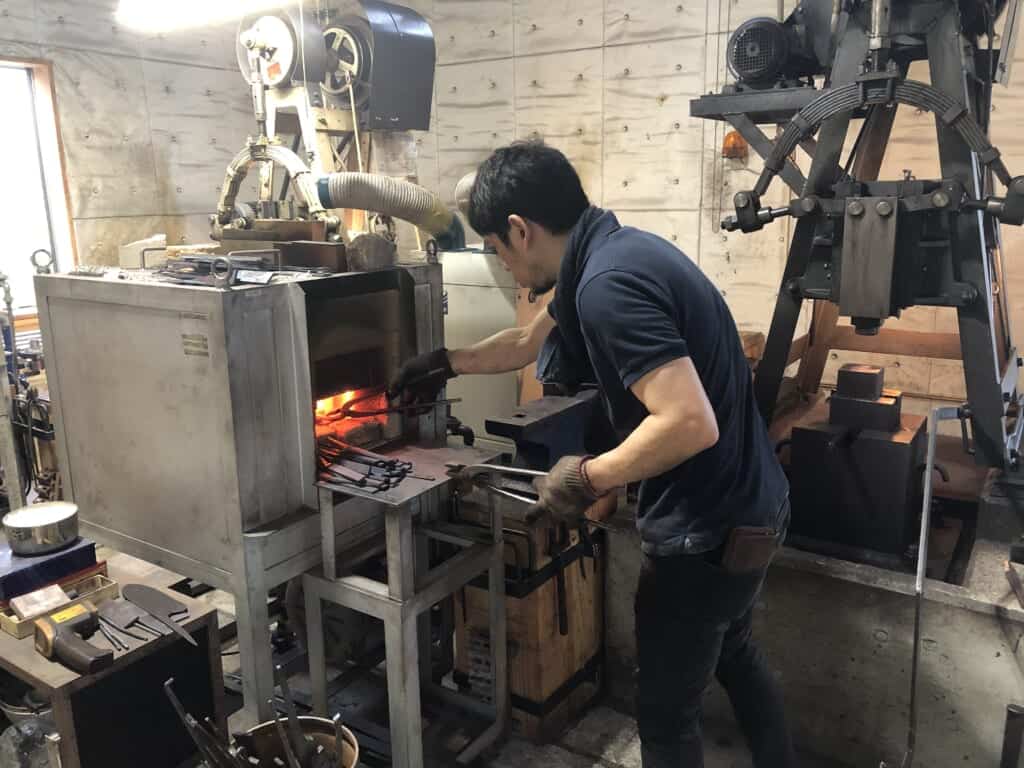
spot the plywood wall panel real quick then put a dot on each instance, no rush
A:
(89, 24)
(727, 15)
(474, 116)
(558, 99)
(101, 100)
(18, 20)
(681, 228)
(471, 30)
(15, 50)
(636, 21)
(947, 380)
(545, 26)
(200, 120)
(914, 319)
(99, 239)
(747, 270)
(652, 148)
(910, 374)
(212, 46)
(426, 160)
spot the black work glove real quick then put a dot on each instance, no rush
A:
(565, 494)
(421, 379)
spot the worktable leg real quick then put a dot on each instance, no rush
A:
(65, 722)
(327, 533)
(315, 646)
(220, 714)
(399, 542)
(253, 621)
(497, 620)
(427, 511)
(405, 717)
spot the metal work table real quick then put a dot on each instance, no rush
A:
(404, 600)
(73, 696)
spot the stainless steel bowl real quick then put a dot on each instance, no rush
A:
(41, 528)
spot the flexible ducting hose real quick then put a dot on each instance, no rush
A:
(463, 190)
(258, 152)
(392, 197)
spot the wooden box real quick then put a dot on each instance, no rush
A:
(95, 589)
(553, 677)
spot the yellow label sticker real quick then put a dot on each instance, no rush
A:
(68, 613)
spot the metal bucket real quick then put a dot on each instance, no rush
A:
(267, 743)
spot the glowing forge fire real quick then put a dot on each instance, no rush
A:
(329, 419)
(329, 405)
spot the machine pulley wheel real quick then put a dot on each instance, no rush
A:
(349, 59)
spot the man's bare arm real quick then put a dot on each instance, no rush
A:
(681, 423)
(508, 350)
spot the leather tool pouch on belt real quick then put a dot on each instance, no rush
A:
(749, 549)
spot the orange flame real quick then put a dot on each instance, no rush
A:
(333, 403)
(330, 421)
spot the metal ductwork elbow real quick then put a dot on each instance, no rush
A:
(392, 197)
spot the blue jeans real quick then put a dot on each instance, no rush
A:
(693, 621)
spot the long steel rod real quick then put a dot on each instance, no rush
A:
(934, 417)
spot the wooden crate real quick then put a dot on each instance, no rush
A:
(543, 664)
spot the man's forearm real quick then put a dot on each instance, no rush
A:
(660, 443)
(508, 350)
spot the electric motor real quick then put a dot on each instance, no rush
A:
(758, 50)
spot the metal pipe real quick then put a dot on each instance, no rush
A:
(934, 417)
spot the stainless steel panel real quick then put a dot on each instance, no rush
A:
(124, 415)
(481, 301)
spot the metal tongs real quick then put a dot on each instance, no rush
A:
(474, 471)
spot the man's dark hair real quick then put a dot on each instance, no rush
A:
(532, 180)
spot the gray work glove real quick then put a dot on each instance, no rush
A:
(564, 495)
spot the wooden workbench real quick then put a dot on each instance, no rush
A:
(117, 713)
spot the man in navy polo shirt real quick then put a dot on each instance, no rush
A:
(636, 315)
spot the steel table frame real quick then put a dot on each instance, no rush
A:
(402, 603)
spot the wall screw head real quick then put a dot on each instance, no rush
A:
(940, 199)
(742, 200)
(855, 208)
(884, 208)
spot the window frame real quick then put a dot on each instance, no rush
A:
(54, 164)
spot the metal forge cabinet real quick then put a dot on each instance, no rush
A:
(185, 418)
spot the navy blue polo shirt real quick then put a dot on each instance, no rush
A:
(642, 303)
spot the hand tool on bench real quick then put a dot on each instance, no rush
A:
(123, 616)
(62, 636)
(160, 606)
(115, 641)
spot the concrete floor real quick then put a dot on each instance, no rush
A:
(608, 739)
